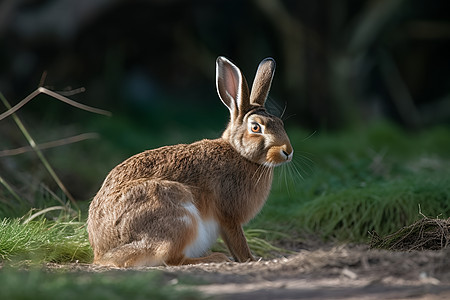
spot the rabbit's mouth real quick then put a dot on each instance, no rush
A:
(278, 155)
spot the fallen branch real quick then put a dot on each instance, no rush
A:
(42, 90)
(48, 145)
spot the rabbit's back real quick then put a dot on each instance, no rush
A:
(196, 165)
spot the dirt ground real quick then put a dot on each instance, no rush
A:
(343, 272)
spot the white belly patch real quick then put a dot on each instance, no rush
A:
(207, 233)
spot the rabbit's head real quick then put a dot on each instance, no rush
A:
(252, 131)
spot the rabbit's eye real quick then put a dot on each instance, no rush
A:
(255, 128)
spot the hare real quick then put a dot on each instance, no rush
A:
(169, 205)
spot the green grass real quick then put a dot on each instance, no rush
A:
(37, 284)
(384, 207)
(44, 241)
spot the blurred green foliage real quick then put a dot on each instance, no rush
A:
(36, 284)
(339, 63)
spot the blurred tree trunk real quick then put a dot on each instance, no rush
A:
(291, 37)
(322, 62)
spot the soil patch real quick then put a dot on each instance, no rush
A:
(345, 272)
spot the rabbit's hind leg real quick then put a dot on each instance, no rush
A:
(129, 255)
(150, 225)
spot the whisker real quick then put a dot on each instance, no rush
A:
(290, 180)
(285, 168)
(257, 171)
(305, 161)
(290, 116)
(272, 106)
(310, 136)
(264, 173)
(284, 110)
(294, 168)
(279, 172)
(304, 157)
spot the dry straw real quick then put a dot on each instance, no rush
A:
(424, 234)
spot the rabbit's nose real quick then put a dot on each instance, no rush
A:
(287, 152)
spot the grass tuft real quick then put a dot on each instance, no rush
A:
(382, 207)
(44, 241)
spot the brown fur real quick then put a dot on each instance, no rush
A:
(160, 205)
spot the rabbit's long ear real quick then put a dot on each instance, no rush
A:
(232, 87)
(263, 81)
